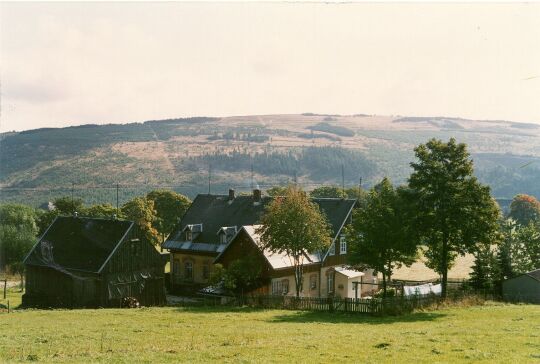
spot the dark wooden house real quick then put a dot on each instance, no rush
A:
(91, 262)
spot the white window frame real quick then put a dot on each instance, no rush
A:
(330, 282)
(342, 245)
(223, 238)
(313, 282)
(284, 286)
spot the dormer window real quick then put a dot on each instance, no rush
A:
(222, 238)
(191, 231)
(226, 233)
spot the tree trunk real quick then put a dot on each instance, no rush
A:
(384, 283)
(298, 279)
(444, 265)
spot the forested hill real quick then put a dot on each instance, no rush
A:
(89, 160)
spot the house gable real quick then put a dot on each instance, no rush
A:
(242, 246)
(78, 243)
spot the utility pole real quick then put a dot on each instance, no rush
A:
(252, 175)
(209, 177)
(72, 198)
(360, 183)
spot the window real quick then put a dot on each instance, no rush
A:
(332, 249)
(276, 287)
(223, 238)
(330, 282)
(206, 271)
(285, 286)
(189, 235)
(342, 245)
(313, 281)
(188, 270)
(176, 267)
(280, 287)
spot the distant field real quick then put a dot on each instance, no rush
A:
(418, 271)
(494, 333)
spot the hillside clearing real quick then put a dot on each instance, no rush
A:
(494, 333)
(155, 152)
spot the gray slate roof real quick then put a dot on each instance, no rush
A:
(79, 243)
(216, 211)
(535, 274)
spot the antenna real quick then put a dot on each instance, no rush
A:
(252, 174)
(72, 199)
(343, 177)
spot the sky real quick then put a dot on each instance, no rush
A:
(76, 63)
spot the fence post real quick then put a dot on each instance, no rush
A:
(5, 287)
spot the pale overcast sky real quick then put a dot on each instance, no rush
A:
(72, 63)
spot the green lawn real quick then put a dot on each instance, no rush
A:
(493, 333)
(13, 295)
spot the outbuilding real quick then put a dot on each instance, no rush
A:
(92, 262)
(523, 288)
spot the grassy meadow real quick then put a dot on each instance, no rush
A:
(493, 333)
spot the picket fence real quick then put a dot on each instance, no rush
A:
(397, 304)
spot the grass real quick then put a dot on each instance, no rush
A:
(13, 295)
(482, 334)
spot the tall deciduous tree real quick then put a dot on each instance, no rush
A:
(141, 211)
(525, 209)
(328, 191)
(170, 207)
(67, 206)
(380, 237)
(294, 225)
(18, 232)
(105, 210)
(525, 248)
(276, 191)
(455, 213)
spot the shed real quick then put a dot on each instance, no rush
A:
(523, 288)
(92, 262)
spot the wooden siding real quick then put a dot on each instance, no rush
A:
(135, 269)
(48, 287)
(241, 247)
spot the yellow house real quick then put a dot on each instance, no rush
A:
(221, 228)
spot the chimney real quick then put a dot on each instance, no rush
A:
(256, 196)
(231, 194)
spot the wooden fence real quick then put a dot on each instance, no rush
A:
(373, 306)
